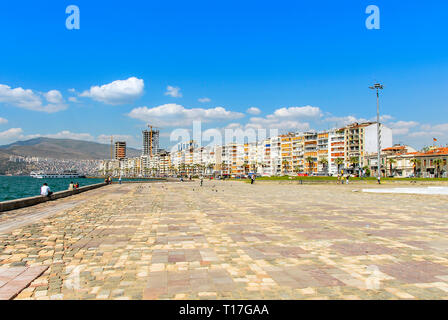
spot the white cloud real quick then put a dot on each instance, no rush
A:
(402, 127)
(27, 99)
(10, 135)
(173, 92)
(291, 118)
(3, 120)
(131, 141)
(116, 92)
(23, 98)
(17, 134)
(438, 127)
(204, 100)
(65, 134)
(73, 99)
(384, 118)
(234, 125)
(298, 112)
(172, 115)
(54, 96)
(343, 121)
(262, 123)
(253, 110)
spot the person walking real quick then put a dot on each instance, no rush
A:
(202, 180)
(119, 180)
(252, 179)
(347, 179)
(45, 190)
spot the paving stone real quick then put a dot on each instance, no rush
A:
(262, 241)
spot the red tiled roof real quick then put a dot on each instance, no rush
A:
(394, 148)
(433, 152)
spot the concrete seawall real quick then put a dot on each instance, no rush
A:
(31, 201)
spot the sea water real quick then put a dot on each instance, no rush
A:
(21, 187)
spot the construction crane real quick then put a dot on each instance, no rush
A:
(111, 147)
(150, 126)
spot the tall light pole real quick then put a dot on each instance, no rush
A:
(378, 87)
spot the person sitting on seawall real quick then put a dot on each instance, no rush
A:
(76, 185)
(252, 179)
(45, 190)
(71, 186)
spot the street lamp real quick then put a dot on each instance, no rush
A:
(378, 87)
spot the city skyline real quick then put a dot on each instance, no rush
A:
(290, 66)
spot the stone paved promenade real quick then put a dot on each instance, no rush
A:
(228, 240)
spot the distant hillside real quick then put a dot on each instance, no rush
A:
(61, 149)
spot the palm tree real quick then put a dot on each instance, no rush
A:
(310, 161)
(210, 166)
(437, 164)
(366, 171)
(285, 165)
(223, 167)
(415, 162)
(391, 163)
(182, 168)
(324, 163)
(246, 167)
(339, 162)
(354, 161)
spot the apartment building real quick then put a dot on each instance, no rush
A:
(325, 152)
(336, 153)
(322, 152)
(287, 163)
(310, 154)
(298, 152)
(360, 141)
(119, 150)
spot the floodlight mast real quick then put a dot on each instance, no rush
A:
(378, 87)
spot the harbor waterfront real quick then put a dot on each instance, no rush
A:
(228, 240)
(12, 188)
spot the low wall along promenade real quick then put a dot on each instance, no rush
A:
(31, 201)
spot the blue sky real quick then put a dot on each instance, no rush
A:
(298, 64)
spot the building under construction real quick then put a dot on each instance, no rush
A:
(150, 142)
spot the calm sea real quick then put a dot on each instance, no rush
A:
(21, 187)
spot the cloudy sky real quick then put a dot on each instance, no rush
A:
(290, 65)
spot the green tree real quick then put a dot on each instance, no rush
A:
(416, 163)
(339, 162)
(285, 165)
(324, 163)
(437, 164)
(310, 161)
(391, 165)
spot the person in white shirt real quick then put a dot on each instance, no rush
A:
(45, 190)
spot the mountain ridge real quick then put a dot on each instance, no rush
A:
(43, 147)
